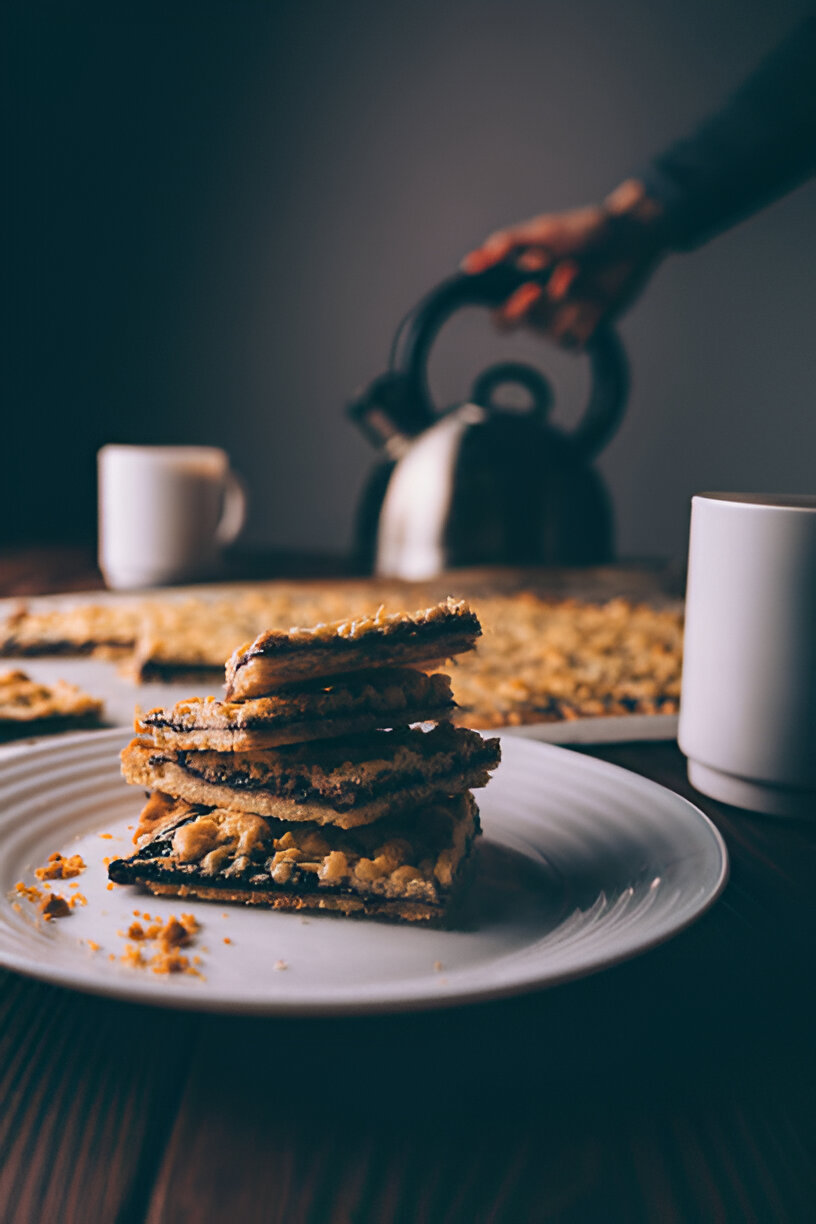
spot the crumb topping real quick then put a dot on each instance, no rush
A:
(547, 661)
(416, 860)
(382, 622)
(153, 815)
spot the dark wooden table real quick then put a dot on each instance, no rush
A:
(676, 1087)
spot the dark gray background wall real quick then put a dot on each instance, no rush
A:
(217, 218)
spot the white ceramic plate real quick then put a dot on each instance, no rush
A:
(582, 864)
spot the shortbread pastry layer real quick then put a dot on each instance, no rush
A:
(322, 710)
(346, 782)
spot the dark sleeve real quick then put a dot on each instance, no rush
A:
(758, 146)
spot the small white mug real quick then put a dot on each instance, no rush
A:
(748, 705)
(165, 513)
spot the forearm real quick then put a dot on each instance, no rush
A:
(759, 145)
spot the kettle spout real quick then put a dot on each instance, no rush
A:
(387, 414)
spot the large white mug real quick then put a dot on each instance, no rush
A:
(165, 513)
(748, 705)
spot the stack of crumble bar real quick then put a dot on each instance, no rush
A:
(309, 787)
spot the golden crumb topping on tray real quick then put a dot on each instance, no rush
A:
(538, 659)
(542, 662)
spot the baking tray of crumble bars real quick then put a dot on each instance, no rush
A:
(604, 668)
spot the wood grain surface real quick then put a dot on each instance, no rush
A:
(676, 1087)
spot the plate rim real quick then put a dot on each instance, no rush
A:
(149, 993)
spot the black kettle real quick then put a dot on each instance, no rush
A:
(479, 483)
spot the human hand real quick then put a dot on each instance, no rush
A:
(600, 257)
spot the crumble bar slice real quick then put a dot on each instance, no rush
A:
(422, 639)
(363, 702)
(193, 637)
(346, 782)
(408, 870)
(190, 638)
(108, 630)
(29, 708)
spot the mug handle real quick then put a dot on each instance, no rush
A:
(233, 516)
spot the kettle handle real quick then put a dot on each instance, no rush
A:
(412, 345)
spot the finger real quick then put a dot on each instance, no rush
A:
(578, 230)
(587, 323)
(534, 259)
(474, 261)
(574, 324)
(492, 251)
(538, 231)
(562, 234)
(562, 279)
(626, 197)
(519, 305)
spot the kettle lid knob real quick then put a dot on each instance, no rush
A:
(513, 374)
